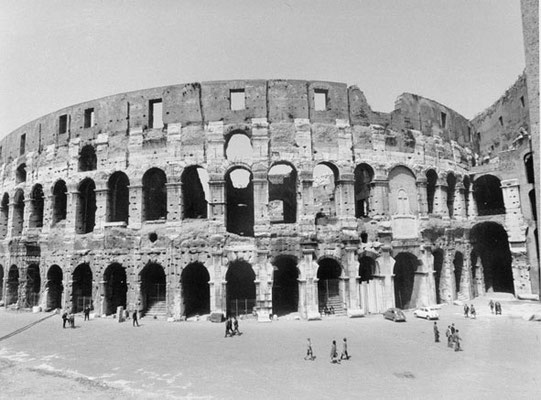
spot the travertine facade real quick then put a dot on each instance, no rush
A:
(269, 196)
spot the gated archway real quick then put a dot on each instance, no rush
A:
(153, 290)
(328, 285)
(240, 290)
(82, 288)
(438, 265)
(115, 288)
(33, 285)
(458, 263)
(404, 279)
(12, 286)
(54, 287)
(285, 287)
(195, 289)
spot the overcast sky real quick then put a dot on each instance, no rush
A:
(462, 53)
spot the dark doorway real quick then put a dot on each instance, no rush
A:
(60, 201)
(1, 282)
(4, 213)
(490, 243)
(119, 198)
(36, 204)
(193, 194)
(86, 207)
(54, 287)
(328, 285)
(239, 192)
(451, 185)
(367, 266)
(153, 289)
(404, 278)
(33, 285)
(466, 183)
(81, 288)
(363, 178)
(438, 265)
(282, 193)
(458, 263)
(154, 195)
(18, 213)
(116, 288)
(285, 287)
(488, 195)
(431, 180)
(87, 159)
(20, 174)
(195, 289)
(12, 286)
(240, 291)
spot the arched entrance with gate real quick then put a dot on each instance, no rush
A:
(404, 279)
(328, 285)
(12, 286)
(54, 287)
(438, 266)
(240, 290)
(115, 288)
(153, 290)
(195, 289)
(81, 294)
(33, 285)
(285, 287)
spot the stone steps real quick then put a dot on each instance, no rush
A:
(156, 309)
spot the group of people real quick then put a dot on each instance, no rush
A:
(334, 352)
(68, 317)
(232, 327)
(469, 311)
(328, 310)
(495, 307)
(452, 334)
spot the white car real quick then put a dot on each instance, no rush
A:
(426, 312)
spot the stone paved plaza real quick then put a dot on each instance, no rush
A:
(193, 360)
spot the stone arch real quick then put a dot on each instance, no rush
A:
(54, 287)
(87, 159)
(282, 177)
(328, 285)
(18, 213)
(431, 180)
(12, 286)
(404, 279)
(81, 294)
(240, 288)
(239, 192)
(118, 197)
(364, 174)
(154, 195)
(451, 185)
(85, 217)
(490, 243)
(488, 195)
(458, 266)
(60, 201)
(438, 257)
(402, 191)
(36, 207)
(325, 180)
(33, 285)
(115, 288)
(238, 146)
(195, 289)
(20, 174)
(285, 285)
(195, 191)
(153, 289)
(4, 215)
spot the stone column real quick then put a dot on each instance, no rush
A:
(386, 263)
(47, 213)
(307, 213)
(26, 213)
(136, 205)
(301, 309)
(10, 218)
(102, 192)
(466, 277)
(174, 196)
(479, 278)
(440, 199)
(261, 202)
(428, 266)
(459, 209)
(101, 307)
(217, 198)
(4, 287)
(21, 290)
(346, 200)
(310, 267)
(71, 208)
(379, 196)
(351, 266)
(472, 205)
(421, 196)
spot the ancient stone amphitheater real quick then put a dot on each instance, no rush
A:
(260, 197)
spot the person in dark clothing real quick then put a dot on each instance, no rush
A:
(498, 307)
(473, 313)
(466, 310)
(134, 319)
(491, 305)
(309, 351)
(64, 319)
(236, 327)
(453, 329)
(334, 353)
(436, 333)
(457, 340)
(87, 313)
(228, 327)
(344, 350)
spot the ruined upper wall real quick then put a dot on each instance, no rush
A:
(279, 101)
(499, 125)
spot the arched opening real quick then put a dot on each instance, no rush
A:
(33, 285)
(154, 195)
(195, 190)
(363, 179)
(239, 193)
(195, 289)
(36, 210)
(81, 294)
(528, 164)
(20, 174)
(153, 290)
(12, 286)
(4, 214)
(60, 200)
(367, 268)
(431, 180)
(238, 147)
(490, 242)
(87, 159)
(402, 191)
(282, 193)
(458, 264)
(116, 287)
(438, 266)
(533, 204)
(451, 185)
(328, 285)
(404, 278)
(118, 198)
(240, 290)
(54, 287)
(285, 287)
(324, 186)
(488, 195)
(18, 213)
(466, 183)
(86, 207)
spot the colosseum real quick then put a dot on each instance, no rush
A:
(266, 197)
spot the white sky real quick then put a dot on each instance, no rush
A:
(462, 53)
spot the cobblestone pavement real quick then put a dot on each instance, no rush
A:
(110, 360)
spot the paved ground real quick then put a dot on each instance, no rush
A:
(109, 360)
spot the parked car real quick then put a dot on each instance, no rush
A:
(394, 314)
(426, 312)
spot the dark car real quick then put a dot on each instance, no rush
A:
(394, 314)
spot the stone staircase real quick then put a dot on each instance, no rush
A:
(337, 304)
(156, 309)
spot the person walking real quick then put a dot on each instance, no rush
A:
(64, 319)
(436, 333)
(473, 313)
(466, 310)
(453, 329)
(491, 305)
(228, 327)
(457, 340)
(87, 313)
(334, 353)
(309, 352)
(344, 350)
(236, 327)
(71, 318)
(135, 322)
(498, 308)
(449, 335)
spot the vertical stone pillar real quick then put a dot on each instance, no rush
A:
(217, 198)
(4, 284)
(264, 294)
(466, 277)
(302, 297)
(351, 266)
(346, 199)
(67, 281)
(136, 205)
(472, 205)
(11, 212)
(102, 192)
(26, 213)
(218, 296)
(386, 264)
(306, 206)
(261, 202)
(379, 200)
(174, 195)
(260, 139)
(71, 207)
(309, 266)
(421, 196)
(428, 266)
(459, 210)
(479, 278)
(440, 199)
(101, 307)
(47, 213)
(21, 290)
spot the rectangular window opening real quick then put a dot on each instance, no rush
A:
(89, 117)
(155, 117)
(320, 99)
(443, 120)
(469, 134)
(500, 119)
(63, 124)
(238, 99)
(522, 101)
(22, 146)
